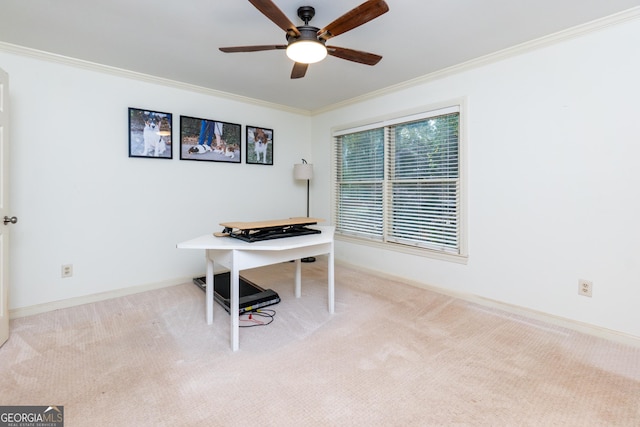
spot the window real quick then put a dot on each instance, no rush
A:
(399, 183)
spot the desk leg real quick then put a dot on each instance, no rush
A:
(331, 280)
(235, 307)
(209, 290)
(298, 278)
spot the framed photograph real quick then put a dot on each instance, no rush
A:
(150, 134)
(210, 140)
(259, 145)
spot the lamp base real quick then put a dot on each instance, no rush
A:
(308, 259)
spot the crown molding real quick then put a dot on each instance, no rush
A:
(120, 72)
(549, 40)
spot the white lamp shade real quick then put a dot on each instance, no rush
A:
(306, 51)
(303, 171)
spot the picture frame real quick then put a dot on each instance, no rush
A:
(150, 134)
(210, 140)
(259, 144)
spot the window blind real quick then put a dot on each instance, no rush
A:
(359, 183)
(423, 183)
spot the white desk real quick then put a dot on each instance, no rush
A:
(237, 255)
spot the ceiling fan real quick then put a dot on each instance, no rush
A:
(306, 44)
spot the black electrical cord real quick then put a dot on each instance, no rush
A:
(264, 313)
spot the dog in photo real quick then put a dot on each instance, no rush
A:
(199, 149)
(260, 144)
(153, 142)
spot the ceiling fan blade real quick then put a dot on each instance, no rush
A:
(299, 70)
(362, 14)
(271, 11)
(354, 55)
(253, 48)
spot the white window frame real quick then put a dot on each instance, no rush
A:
(458, 105)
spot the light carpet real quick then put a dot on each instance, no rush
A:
(392, 354)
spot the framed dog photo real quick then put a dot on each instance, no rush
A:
(210, 140)
(259, 146)
(150, 134)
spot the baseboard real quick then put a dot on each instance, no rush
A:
(87, 299)
(571, 324)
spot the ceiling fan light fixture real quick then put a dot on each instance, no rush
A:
(306, 51)
(306, 43)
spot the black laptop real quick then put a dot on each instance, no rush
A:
(252, 296)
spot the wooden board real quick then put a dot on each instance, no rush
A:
(256, 225)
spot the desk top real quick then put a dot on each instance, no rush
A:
(209, 241)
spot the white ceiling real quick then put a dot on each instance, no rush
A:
(179, 40)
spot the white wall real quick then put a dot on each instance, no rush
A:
(553, 179)
(81, 200)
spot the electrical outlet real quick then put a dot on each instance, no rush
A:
(585, 288)
(67, 270)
